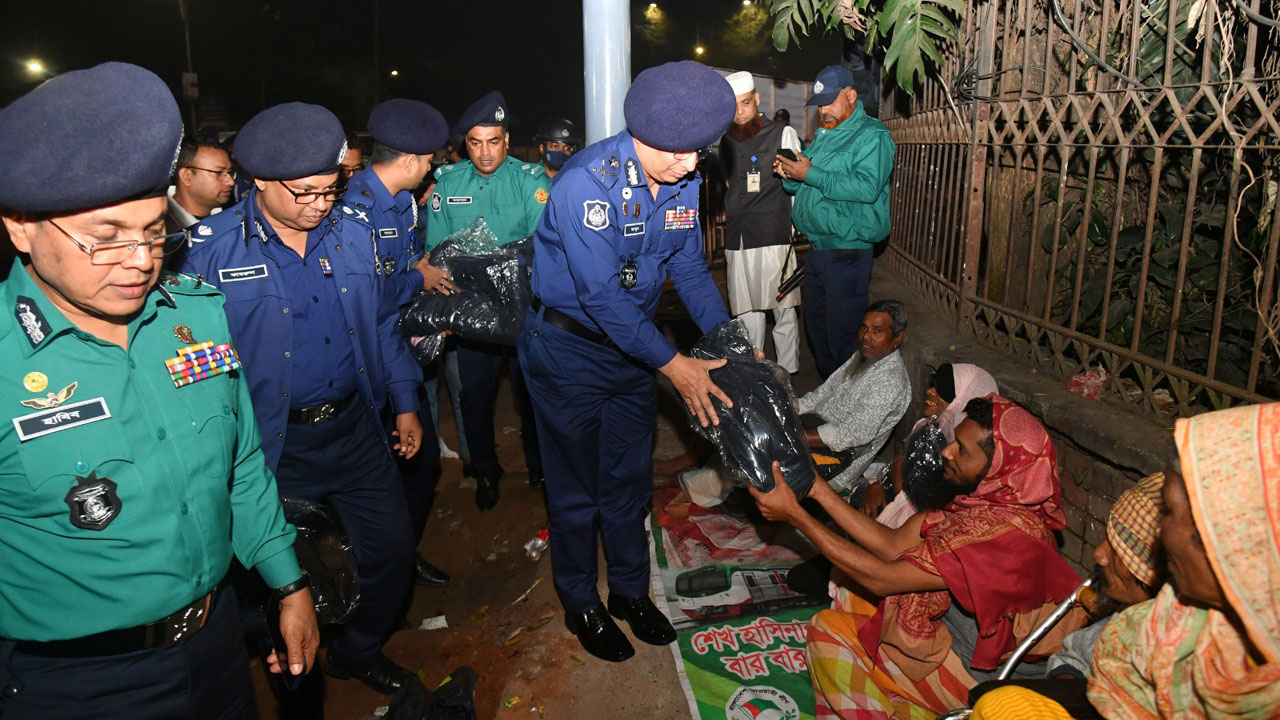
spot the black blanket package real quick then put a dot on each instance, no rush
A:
(763, 424)
(492, 297)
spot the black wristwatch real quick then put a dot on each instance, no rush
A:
(293, 587)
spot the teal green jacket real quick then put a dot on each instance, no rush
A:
(510, 200)
(123, 497)
(843, 203)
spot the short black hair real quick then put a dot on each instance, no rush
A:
(191, 145)
(896, 311)
(981, 411)
(384, 154)
(783, 114)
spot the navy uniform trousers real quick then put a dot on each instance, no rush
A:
(205, 676)
(596, 409)
(478, 368)
(421, 473)
(345, 463)
(836, 284)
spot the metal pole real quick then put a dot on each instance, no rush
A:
(186, 33)
(606, 52)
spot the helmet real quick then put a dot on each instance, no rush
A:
(560, 130)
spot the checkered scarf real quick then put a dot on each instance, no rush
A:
(1134, 527)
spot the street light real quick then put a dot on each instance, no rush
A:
(653, 6)
(699, 50)
(395, 73)
(35, 67)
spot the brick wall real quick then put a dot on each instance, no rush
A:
(1090, 486)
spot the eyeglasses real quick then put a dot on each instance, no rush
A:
(308, 197)
(351, 169)
(702, 154)
(112, 252)
(228, 174)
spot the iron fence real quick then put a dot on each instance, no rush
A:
(1093, 183)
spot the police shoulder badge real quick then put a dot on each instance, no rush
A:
(595, 214)
(93, 502)
(435, 202)
(541, 196)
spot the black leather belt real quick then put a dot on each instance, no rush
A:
(569, 325)
(317, 414)
(163, 633)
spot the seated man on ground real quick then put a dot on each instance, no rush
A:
(850, 417)
(1128, 570)
(1208, 645)
(950, 388)
(957, 588)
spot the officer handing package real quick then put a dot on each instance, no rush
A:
(130, 469)
(623, 216)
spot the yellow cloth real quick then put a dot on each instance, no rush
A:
(1017, 703)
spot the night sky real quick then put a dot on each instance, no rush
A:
(251, 54)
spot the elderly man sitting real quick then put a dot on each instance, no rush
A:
(958, 587)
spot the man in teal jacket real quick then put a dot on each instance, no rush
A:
(841, 204)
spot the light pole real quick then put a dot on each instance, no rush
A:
(190, 86)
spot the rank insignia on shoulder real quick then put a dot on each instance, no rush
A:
(595, 214)
(32, 320)
(204, 230)
(200, 362)
(170, 278)
(183, 333)
(541, 196)
(94, 502)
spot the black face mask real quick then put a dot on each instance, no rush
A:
(555, 159)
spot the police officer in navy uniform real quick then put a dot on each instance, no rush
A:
(510, 195)
(127, 481)
(316, 328)
(406, 133)
(558, 139)
(623, 216)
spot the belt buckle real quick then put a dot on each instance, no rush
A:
(184, 623)
(324, 413)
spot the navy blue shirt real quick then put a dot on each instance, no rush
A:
(323, 370)
(395, 225)
(602, 215)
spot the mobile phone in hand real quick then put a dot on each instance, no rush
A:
(788, 154)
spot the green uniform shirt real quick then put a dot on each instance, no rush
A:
(843, 203)
(190, 483)
(511, 200)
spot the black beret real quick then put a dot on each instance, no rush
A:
(89, 138)
(488, 111)
(410, 126)
(679, 106)
(290, 141)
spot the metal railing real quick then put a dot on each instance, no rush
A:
(1081, 186)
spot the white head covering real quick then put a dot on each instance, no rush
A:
(742, 82)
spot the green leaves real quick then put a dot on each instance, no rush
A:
(909, 31)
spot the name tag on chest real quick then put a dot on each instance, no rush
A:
(387, 233)
(60, 418)
(460, 200)
(633, 229)
(252, 272)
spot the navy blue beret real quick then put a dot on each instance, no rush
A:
(679, 106)
(488, 110)
(410, 126)
(290, 141)
(89, 138)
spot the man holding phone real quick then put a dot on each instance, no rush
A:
(841, 204)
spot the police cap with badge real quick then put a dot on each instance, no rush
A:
(89, 138)
(290, 141)
(408, 126)
(827, 86)
(488, 111)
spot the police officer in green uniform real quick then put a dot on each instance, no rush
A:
(510, 195)
(130, 468)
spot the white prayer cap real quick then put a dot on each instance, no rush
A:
(742, 82)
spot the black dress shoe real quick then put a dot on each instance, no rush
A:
(428, 575)
(537, 480)
(486, 493)
(647, 621)
(384, 677)
(599, 634)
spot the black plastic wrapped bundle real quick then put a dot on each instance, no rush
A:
(492, 296)
(324, 551)
(763, 425)
(923, 463)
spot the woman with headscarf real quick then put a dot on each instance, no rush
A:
(951, 386)
(960, 586)
(1208, 646)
